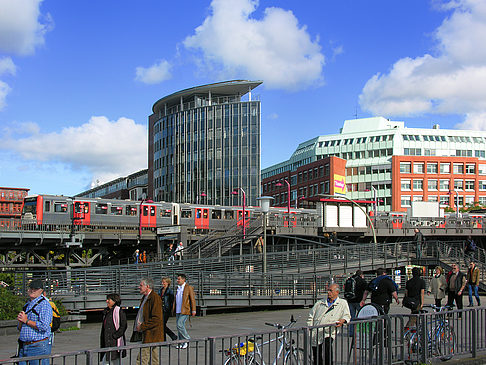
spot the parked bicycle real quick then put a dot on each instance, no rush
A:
(440, 338)
(252, 351)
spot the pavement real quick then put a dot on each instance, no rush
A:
(227, 323)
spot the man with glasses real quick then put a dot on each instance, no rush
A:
(35, 324)
(456, 282)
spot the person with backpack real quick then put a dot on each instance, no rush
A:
(470, 247)
(354, 288)
(35, 324)
(382, 289)
(56, 320)
(473, 283)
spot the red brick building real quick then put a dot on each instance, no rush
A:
(324, 176)
(449, 180)
(11, 203)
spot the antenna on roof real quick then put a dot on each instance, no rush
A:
(356, 112)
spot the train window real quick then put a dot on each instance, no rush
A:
(116, 210)
(165, 212)
(206, 214)
(152, 211)
(145, 211)
(131, 210)
(60, 207)
(229, 214)
(216, 214)
(186, 214)
(101, 208)
(47, 206)
(198, 213)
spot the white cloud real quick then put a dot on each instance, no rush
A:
(21, 30)
(154, 74)
(453, 81)
(4, 90)
(107, 149)
(275, 49)
(7, 66)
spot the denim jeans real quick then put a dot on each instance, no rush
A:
(181, 326)
(353, 310)
(473, 288)
(35, 349)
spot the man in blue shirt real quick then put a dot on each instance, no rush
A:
(35, 324)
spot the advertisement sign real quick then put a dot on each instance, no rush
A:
(339, 184)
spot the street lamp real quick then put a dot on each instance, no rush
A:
(297, 201)
(203, 194)
(235, 192)
(265, 206)
(375, 197)
(288, 194)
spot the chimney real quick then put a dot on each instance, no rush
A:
(436, 126)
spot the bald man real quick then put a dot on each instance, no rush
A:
(333, 312)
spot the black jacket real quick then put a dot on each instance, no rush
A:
(167, 301)
(109, 336)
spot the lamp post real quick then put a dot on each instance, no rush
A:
(288, 194)
(203, 195)
(375, 198)
(265, 206)
(297, 201)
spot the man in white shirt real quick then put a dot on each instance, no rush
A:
(184, 306)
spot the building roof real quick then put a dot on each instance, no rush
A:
(225, 88)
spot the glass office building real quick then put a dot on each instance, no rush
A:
(204, 143)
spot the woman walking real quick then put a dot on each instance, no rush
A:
(113, 330)
(167, 296)
(438, 285)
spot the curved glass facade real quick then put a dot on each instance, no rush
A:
(205, 146)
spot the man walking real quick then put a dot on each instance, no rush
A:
(35, 324)
(456, 282)
(184, 306)
(382, 289)
(149, 321)
(332, 311)
(473, 283)
(354, 288)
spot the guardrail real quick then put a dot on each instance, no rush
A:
(377, 340)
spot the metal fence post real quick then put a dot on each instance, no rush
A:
(423, 338)
(474, 337)
(306, 339)
(212, 351)
(89, 359)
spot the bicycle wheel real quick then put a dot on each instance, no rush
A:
(413, 347)
(234, 360)
(446, 344)
(295, 356)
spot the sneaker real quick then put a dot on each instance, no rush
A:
(471, 305)
(182, 346)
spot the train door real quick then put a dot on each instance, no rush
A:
(476, 221)
(397, 221)
(81, 214)
(175, 214)
(239, 217)
(148, 217)
(201, 220)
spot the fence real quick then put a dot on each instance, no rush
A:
(379, 340)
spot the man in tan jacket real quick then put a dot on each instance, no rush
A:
(149, 321)
(473, 283)
(184, 306)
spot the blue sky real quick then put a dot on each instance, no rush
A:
(78, 78)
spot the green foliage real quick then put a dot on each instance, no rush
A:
(72, 328)
(10, 304)
(8, 278)
(60, 307)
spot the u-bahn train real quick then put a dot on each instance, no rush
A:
(53, 210)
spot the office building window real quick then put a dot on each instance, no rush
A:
(418, 185)
(480, 154)
(433, 198)
(469, 199)
(482, 185)
(429, 152)
(458, 184)
(406, 185)
(418, 198)
(482, 169)
(458, 168)
(432, 168)
(418, 168)
(445, 168)
(405, 201)
(469, 185)
(405, 167)
(432, 184)
(444, 185)
(470, 168)
(482, 200)
(444, 200)
(412, 152)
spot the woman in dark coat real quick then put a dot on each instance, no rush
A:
(167, 296)
(113, 329)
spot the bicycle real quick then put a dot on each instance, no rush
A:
(250, 352)
(441, 338)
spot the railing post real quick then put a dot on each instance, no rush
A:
(212, 351)
(306, 339)
(474, 337)
(89, 360)
(423, 338)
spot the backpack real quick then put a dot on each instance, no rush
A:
(472, 246)
(350, 288)
(56, 317)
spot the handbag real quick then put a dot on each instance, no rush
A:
(136, 336)
(410, 303)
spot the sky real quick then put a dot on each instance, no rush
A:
(78, 79)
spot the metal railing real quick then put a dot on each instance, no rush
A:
(377, 340)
